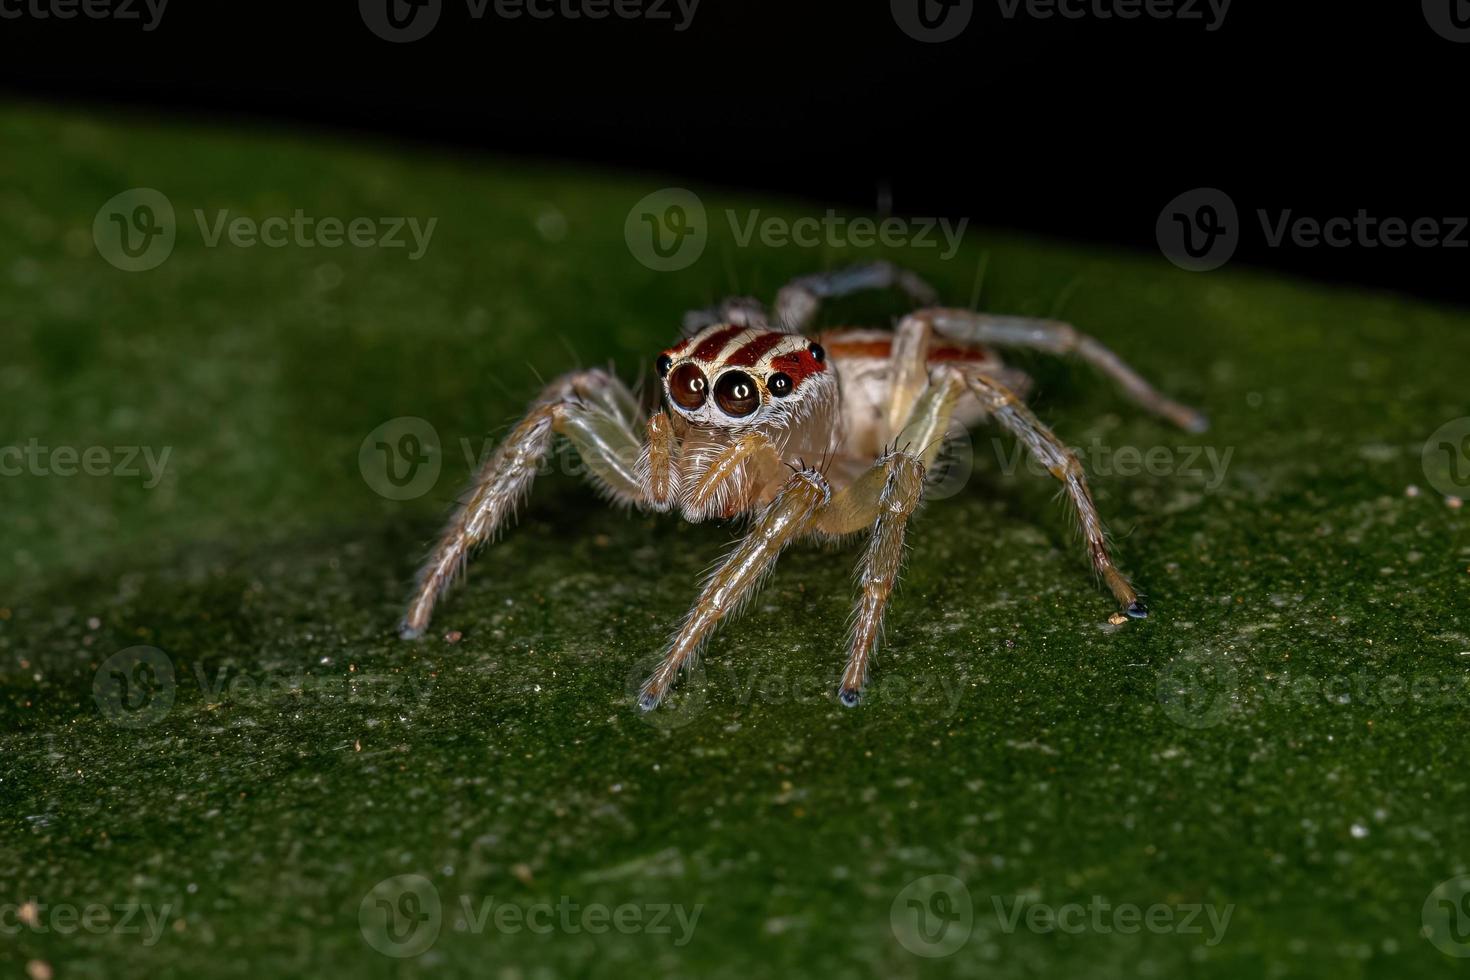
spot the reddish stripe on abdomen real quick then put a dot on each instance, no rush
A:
(859, 348)
(957, 354)
(881, 349)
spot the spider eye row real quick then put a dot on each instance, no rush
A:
(736, 392)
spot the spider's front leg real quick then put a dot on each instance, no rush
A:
(593, 410)
(882, 500)
(787, 517)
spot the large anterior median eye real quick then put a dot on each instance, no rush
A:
(736, 394)
(687, 386)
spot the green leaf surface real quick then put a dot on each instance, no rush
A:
(1279, 740)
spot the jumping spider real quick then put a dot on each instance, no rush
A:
(748, 397)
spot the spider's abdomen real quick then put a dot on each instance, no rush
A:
(861, 358)
(860, 345)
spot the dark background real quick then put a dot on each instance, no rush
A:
(1078, 129)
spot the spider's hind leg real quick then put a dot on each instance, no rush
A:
(1006, 408)
(798, 301)
(1056, 337)
(741, 311)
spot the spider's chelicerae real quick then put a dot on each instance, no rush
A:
(748, 398)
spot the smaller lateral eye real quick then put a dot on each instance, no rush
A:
(818, 351)
(662, 365)
(779, 384)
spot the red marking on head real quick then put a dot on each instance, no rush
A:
(750, 353)
(716, 342)
(799, 365)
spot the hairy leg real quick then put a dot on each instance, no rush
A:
(658, 465)
(1056, 337)
(579, 406)
(908, 369)
(883, 498)
(787, 517)
(1009, 411)
(737, 471)
(744, 311)
(798, 301)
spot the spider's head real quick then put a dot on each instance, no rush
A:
(735, 377)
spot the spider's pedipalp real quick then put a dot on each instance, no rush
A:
(725, 473)
(658, 467)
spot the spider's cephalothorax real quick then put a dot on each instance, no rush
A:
(807, 437)
(731, 384)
